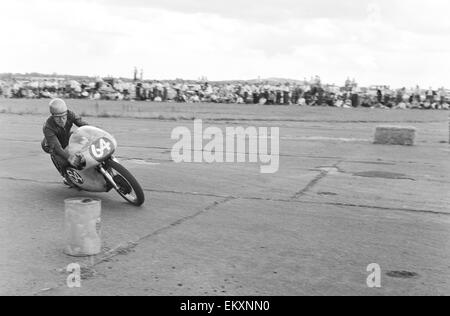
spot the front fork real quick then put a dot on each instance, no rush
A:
(109, 179)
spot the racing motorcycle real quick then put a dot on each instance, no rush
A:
(98, 170)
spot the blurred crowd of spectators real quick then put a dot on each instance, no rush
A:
(305, 93)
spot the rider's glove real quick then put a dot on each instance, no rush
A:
(74, 160)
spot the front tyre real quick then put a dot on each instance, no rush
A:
(129, 188)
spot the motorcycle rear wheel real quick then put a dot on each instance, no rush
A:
(129, 188)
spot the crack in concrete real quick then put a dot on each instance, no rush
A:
(310, 185)
(17, 157)
(191, 193)
(20, 140)
(193, 150)
(323, 173)
(409, 210)
(371, 162)
(131, 245)
(29, 180)
(250, 198)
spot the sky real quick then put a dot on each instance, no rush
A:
(377, 42)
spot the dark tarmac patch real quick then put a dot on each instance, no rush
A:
(383, 175)
(402, 274)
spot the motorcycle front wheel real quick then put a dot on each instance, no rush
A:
(129, 188)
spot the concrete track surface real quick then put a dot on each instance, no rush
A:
(337, 204)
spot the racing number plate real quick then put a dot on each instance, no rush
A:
(101, 148)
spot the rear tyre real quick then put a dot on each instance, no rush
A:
(129, 188)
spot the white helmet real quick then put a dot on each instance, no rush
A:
(58, 107)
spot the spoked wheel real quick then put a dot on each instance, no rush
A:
(129, 188)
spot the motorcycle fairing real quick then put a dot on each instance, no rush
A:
(96, 146)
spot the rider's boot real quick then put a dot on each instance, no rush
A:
(67, 182)
(70, 184)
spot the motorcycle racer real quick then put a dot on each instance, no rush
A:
(57, 134)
